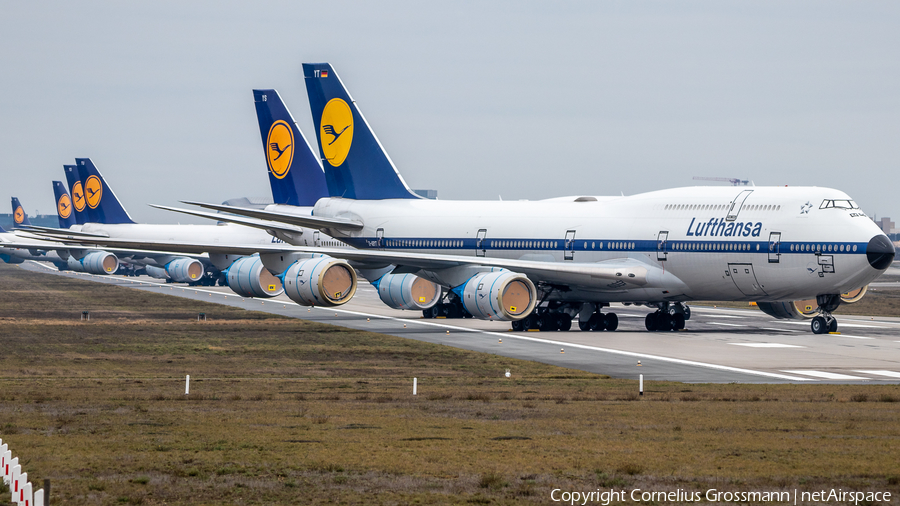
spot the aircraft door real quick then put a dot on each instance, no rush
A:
(569, 250)
(379, 238)
(479, 242)
(737, 204)
(662, 245)
(745, 279)
(774, 247)
(316, 241)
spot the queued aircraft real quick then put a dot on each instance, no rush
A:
(309, 278)
(543, 263)
(13, 250)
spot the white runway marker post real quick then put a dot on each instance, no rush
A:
(641, 384)
(415, 385)
(187, 384)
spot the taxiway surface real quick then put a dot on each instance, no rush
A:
(719, 345)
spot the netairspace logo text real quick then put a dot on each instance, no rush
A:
(606, 497)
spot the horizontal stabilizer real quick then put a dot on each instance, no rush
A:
(314, 222)
(247, 222)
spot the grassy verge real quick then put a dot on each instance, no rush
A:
(283, 411)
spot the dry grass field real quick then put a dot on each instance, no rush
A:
(283, 411)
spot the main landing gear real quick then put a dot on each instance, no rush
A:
(545, 320)
(599, 322)
(452, 308)
(825, 322)
(668, 317)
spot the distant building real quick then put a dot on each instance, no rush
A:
(886, 225)
(41, 220)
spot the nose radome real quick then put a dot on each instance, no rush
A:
(880, 252)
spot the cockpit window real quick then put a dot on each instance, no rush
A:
(838, 204)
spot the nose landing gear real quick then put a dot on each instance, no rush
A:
(825, 322)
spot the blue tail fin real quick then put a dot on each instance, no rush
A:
(19, 217)
(294, 171)
(102, 204)
(356, 165)
(64, 210)
(76, 190)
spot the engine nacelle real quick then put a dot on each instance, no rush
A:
(100, 262)
(10, 259)
(503, 295)
(854, 295)
(156, 272)
(248, 277)
(407, 291)
(791, 310)
(185, 270)
(74, 264)
(320, 281)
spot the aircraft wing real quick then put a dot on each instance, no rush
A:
(315, 222)
(54, 232)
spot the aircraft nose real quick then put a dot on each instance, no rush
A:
(880, 252)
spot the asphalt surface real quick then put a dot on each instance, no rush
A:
(719, 345)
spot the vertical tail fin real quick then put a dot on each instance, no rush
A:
(356, 165)
(294, 171)
(64, 210)
(102, 204)
(76, 190)
(19, 217)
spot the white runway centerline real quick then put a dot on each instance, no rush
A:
(826, 375)
(768, 345)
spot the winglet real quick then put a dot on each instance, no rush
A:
(294, 171)
(64, 209)
(356, 164)
(102, 204)
(76, 192)
(20, 218)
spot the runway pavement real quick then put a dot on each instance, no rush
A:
(719, 345)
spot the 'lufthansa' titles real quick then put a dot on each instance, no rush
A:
(719, 227)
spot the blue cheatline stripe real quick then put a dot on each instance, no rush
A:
(617, 245)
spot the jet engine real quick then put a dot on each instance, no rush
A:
(407, 291)
(806, 309)
(503, 295)
(320, 281)
(248, 277)
(156, 272)
(100, 262)
(74, 264)
(185, 270)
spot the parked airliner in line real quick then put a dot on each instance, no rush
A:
(573, 256)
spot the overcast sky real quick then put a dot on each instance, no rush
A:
(523, 100)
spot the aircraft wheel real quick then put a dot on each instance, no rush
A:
(596, 322)
(529, 322)
(518, 325)
(563, 322)
(818, 325)
(678, 321)
(548, 323)
(832, 327)
(612, 321)
(651, 322)
(584, 326)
